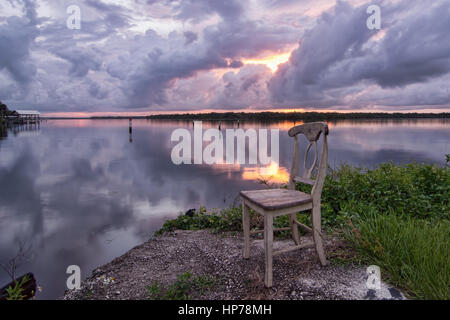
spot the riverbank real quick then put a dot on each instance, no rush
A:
(297, 116)
(205, 265)
(396, 217)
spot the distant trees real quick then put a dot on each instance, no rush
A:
(3, 106)
(5, 112)
(304, 116)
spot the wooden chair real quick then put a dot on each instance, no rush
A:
(272, 203)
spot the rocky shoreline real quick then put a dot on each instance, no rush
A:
(298, 275)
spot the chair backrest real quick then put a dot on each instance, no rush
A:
(312, 131)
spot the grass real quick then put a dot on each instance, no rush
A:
(229, 219)
(17, 292)
(183, 288)
(397, 217)
(414, 252)
(222, 220)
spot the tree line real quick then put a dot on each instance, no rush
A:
(4, 111)
(305, 116)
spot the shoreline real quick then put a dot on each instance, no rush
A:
(270, 116)
(214, 263)
(363, 224)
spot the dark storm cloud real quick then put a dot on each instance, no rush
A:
(96, 91)
(190, 37)
(339, 55)
(16, 39)
(244, 88)
(197, 10)
(152, 68)
(81, 59)
(247, 38)
(416, 47)
(115, 16)
(148, 55)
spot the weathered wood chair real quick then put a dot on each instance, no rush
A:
(272, 203)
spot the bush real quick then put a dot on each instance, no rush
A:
(417, 190)
(399, 220)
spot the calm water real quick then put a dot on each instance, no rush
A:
(84, 192)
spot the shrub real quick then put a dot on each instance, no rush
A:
(418, 190)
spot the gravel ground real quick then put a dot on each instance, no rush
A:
(297, 275)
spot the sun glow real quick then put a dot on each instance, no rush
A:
(272, 173)
(272, 61)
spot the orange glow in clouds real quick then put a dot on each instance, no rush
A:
(272, 61)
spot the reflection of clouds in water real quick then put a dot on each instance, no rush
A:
(84, 195)
(399, 144)
(73, 191)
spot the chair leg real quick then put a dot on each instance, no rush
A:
(317, 230)
(246, 226)
(268, 246)
(294, 228)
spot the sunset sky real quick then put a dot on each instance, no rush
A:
(144, 56)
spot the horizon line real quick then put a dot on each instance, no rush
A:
(110, 114)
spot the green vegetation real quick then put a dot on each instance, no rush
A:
(414, 252)
(305, 116)
(182, 289)
(17, 292)
(397, 217)
(414, 190)
(229, 219)
(4, 111)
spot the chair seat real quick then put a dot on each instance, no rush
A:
(274, 199)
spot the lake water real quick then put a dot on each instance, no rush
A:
(83, 192)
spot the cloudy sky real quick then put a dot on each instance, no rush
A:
(184, 55)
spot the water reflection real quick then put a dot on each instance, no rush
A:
(82, 194)
(272, 173)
